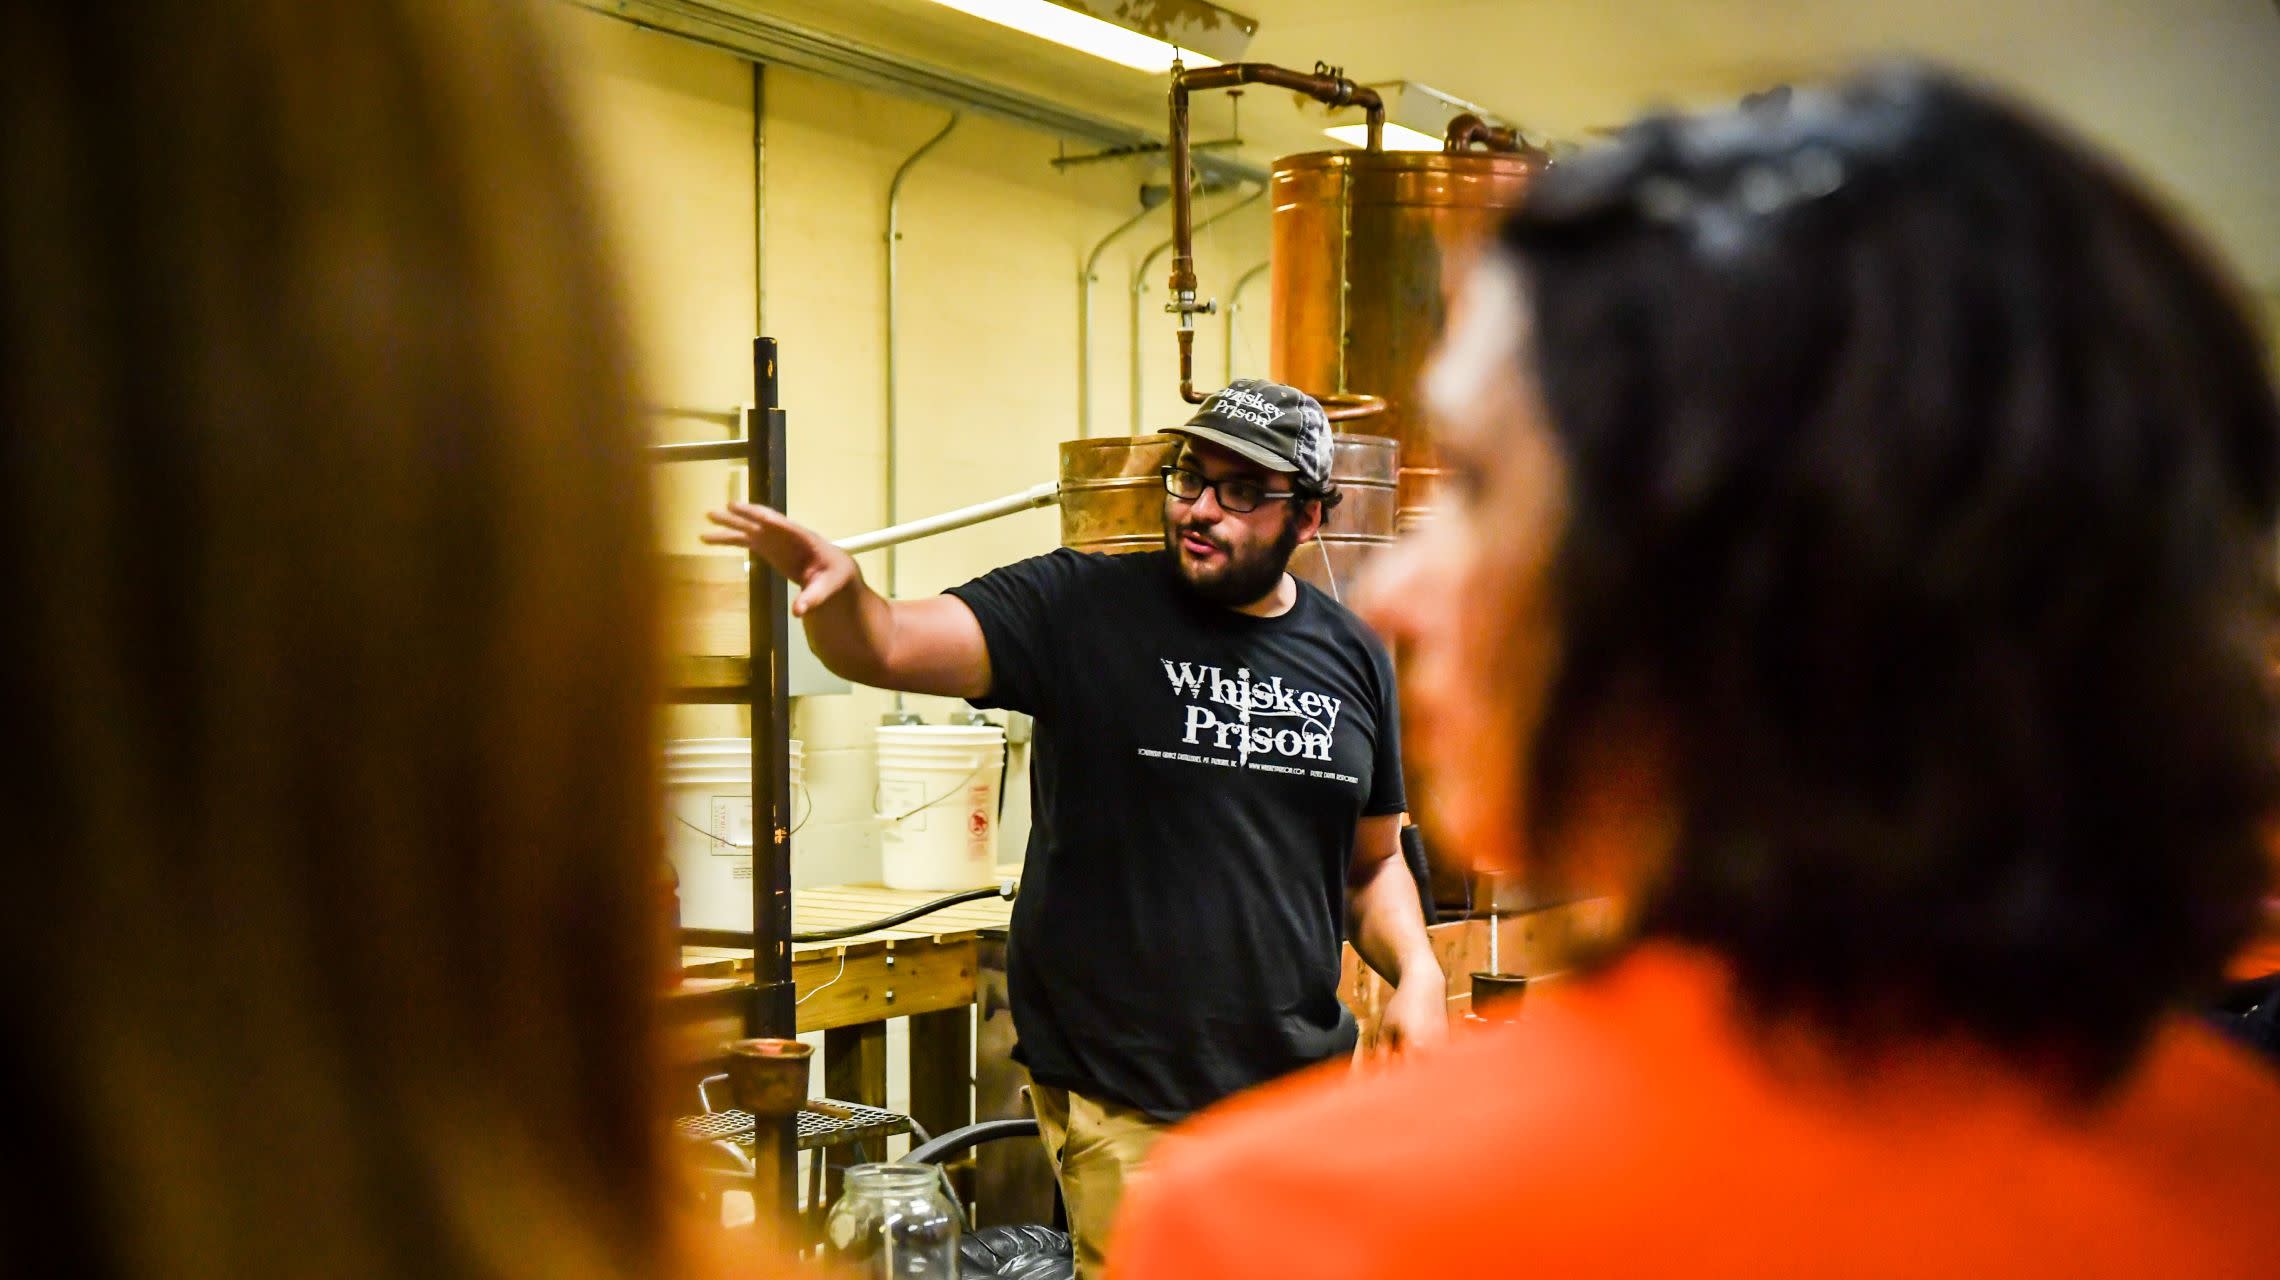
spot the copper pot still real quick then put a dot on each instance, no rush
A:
(1366, 247)
(1112, 501)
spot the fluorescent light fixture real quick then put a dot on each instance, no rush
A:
(1398, 137)
(1416, 117)
(1193, 31)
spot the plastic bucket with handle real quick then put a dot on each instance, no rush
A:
(708, 826)
(938, 799)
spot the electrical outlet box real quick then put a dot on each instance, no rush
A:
(804, 672)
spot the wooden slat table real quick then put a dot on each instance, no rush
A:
(924, 966)
(926, 970)
(927, 967)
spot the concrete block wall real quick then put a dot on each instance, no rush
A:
(994, 237)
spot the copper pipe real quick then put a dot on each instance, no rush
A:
(1333, 91)
(1468, 130)
(1345, 406)
(1139, 288)
(1336, 91)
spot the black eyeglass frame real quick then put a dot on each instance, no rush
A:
(1168, 471)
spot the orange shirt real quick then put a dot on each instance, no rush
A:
(1626, 1127)
(2261, 957)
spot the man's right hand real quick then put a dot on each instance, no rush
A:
(933, 645)
(815, 566)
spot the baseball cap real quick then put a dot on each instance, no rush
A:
(1278, 427)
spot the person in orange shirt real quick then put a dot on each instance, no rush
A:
(1858, 561)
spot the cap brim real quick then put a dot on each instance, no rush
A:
(1255, 452)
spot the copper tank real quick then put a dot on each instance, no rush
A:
(1365, 247)
(1112, 498)
(1112, 501)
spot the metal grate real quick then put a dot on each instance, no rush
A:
(845, 1122)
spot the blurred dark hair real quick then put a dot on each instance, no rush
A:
(1328, 494)
(332, 943)
(1922, 482)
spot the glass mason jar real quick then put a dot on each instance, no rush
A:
(894, 1222)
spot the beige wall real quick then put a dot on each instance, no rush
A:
(993, 240)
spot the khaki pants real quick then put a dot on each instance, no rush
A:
(1097, 1149)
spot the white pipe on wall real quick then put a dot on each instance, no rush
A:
(1085, 281)
(1039, 495)
(894, 240)
(1140, 288)
(1227, 315)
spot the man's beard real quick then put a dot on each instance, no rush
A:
(1247, 575)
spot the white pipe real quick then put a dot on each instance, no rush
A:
(1086, 278)
(894, 243)
(1040, 495)
(1233, 309)
(892, 448)
(1140, 290)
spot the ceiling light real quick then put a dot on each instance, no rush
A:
(1195, 32)
(1416, 117)
(1398, 137)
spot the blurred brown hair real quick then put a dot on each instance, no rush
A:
(328, 656)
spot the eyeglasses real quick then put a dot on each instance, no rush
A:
(1239, 494)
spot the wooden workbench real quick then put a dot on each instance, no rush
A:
(922, 967)
(848, 990)
(926, 970)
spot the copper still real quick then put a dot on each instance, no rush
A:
(1365, 243)
(1365, 247)
(1112, 492)
(1112, 501)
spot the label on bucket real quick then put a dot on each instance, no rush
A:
(979, 845)
(731, 826)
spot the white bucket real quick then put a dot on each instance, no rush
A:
(708, 826)
(938, 794)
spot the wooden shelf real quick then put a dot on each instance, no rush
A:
(706, 679)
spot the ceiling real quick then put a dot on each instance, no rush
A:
(2187, 90)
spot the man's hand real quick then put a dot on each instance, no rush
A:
(933, 645)
(817, 569)
(1389, 932)
(1416, 1016)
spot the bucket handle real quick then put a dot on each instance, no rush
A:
(955, 788)
(798, 821)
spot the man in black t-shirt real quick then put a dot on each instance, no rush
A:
(1216, 784)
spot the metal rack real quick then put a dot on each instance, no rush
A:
(761, 685)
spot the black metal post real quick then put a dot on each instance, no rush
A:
(774, 1011)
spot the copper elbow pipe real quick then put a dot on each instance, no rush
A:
(1469, 130)
(1336, 91)
(1187, 368)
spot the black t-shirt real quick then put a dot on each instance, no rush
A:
(1196, 779)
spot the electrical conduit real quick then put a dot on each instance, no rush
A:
(1085, 281)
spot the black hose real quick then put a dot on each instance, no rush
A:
(900, 917)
